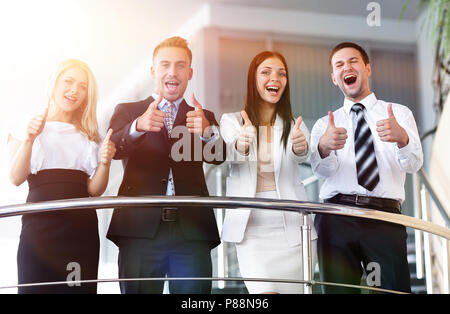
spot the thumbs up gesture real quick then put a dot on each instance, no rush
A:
(299, 143)
(196, 121)
(108, 149)
(246, 135)
(152, 120)
(333, 139)
(36, 125)
(390, 131)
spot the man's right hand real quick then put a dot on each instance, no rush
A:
(246, 135)
(333, 139)
(36, 125)
(152, 120)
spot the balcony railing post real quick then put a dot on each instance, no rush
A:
(306, 254)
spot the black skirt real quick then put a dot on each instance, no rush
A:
(62, 245)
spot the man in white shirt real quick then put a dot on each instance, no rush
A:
(362, 152)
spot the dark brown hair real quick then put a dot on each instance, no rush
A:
(175, 41)
(343, 45)
(253, 99)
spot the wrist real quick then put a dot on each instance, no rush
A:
(323, 152)
(404, 140)
(29, 141)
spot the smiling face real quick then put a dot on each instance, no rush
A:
(171, 71)
(71, 90)
(271, 80)
(351, 74)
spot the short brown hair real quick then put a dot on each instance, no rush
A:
(175, 41)
(343, 45)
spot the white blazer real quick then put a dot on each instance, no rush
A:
(243, 176)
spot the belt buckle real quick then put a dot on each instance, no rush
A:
(358, 202)
(169, 214)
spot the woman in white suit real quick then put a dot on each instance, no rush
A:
(265, 146)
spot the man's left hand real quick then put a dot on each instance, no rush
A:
(390, 131)
(195, 119)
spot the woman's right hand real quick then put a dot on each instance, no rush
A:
(246, 136)
(36, 125)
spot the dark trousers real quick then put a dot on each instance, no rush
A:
(168, 253)
(347, 244)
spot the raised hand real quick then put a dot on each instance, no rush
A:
(36, 125)
(246, 136)
(333, 139)
(108, 149)
(196, 121)
(299, 143)
(390, 131)
(152, 120)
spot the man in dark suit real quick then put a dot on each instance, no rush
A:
(155, 242)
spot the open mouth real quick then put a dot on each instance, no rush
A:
(172, 85)
(70, 99)
(273, 90)
(349, 79)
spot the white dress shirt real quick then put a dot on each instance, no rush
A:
(163, 106)
(338, 170)
(61, 146)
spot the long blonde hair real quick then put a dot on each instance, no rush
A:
(85, 117)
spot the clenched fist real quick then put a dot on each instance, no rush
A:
(299, 143)
(246, 136)
(390, 131)
(196, 121)
(333, 139)
(108, 149)
(36, 125)
(152, 120)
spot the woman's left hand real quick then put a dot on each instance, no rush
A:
(108, 149)
(299, 143)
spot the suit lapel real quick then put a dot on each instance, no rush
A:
(183, 109)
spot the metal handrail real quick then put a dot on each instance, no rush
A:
(221, 202)
(424, 191)
(426, 181)
(297, 281)
(304, 208)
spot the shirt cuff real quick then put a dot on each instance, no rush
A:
(404, 152)
(133, 132)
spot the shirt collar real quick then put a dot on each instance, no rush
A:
(164, 101)
(368, 102)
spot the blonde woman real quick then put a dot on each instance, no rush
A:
(61, 156)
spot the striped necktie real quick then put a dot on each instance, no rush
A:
(366, 161)
(168, 118)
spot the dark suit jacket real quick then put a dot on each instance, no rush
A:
(147, 162)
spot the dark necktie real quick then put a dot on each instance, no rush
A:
(366, 161)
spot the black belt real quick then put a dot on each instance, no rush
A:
(169, 214)
(378, 203)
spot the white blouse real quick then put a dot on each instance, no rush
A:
(62, 146)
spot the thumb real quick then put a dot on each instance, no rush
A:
(155, 103)
(196, 103)
(331, 119)
(390, 112)
(108, 136)
(247, 121)
(298, 123)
